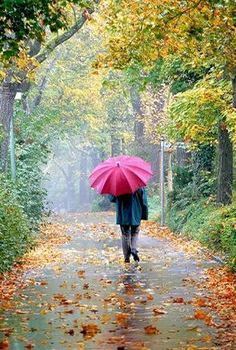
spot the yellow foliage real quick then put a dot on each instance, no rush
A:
(145, 30)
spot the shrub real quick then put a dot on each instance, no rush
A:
(211, 225)
(154, 207)
(191, 210)
(31, 194)
(15, 236)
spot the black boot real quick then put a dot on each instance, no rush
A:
(135, 256)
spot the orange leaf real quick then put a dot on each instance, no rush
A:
(201, 315)
(122, 318)
(200, 302)
(4, 344)
(159, 311)
(150, 330)
(178, 300)
(90, 330)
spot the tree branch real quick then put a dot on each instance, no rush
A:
(64, 37)
(42, 85)
(181, 13)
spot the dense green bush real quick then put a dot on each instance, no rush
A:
(211, 225)
(192, 210)
(31, 194)
(154, 207)
(15, 234)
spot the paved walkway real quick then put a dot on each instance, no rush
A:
(91, 300)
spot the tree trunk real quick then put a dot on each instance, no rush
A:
(225, 166)
(7, 96)
(138, 123)
(115, 146)
(234, 90)
(83, 185)
(155, 160)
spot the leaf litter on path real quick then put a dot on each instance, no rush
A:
(98, 287)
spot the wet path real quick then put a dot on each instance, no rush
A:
(91, 300)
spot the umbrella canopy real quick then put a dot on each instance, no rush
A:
(120, 175)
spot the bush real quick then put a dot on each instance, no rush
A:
(211, 225)
(31, 194)
(15, 236)
(154, 207)
(191, 209)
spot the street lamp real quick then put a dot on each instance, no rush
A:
(162, 182)
(12, 143)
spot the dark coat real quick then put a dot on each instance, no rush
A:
(131, 208)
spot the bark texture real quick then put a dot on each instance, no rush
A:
(225, 167)
(138, 123)
(7, 96)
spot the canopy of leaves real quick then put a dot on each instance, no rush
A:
(195, 113)
(29, 19)
(200, 30)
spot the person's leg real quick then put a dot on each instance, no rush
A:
(126, 241)
(134, 242)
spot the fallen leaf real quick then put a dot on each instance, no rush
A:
(202, 315)
(200, 302)
(71, 332)
(122, 318)
(43, 283)
(81, 273)
(206, 338)
(4, 344)
(159, 311)
(150, 330)
(150, 297)
(85, 286)
(105, 318)
(90, 330)
(21, 312)
(178, 300)
(68, 312)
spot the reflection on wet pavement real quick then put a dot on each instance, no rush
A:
(92, 300)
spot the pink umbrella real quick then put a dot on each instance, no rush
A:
(120, 175)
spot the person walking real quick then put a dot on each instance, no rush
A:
(130, 210)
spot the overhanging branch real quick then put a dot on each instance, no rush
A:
(42, 56)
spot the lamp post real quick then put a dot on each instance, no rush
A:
(12, 143)
(162, 183)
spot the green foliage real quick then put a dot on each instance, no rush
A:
(30, 192)
(27, 19)
(212, 226)
(15, 236)
(154, 207)
(32, 151)
(191, 210)
(175, 73)
(195, 114)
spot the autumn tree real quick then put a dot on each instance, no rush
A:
(201, 33)
(27, 39)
